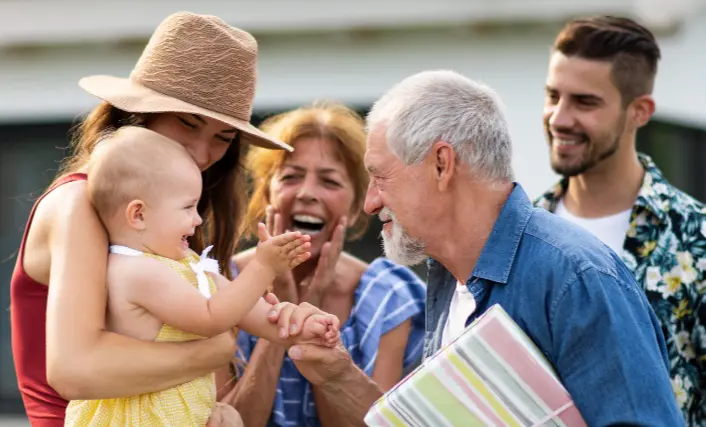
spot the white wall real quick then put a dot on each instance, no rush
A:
(295, 69)
(52, 21)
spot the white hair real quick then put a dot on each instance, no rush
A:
(445, 106)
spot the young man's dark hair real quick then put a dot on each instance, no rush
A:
(631, 48)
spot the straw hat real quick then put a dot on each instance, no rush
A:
(194, 64)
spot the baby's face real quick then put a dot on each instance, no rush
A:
(171, 218)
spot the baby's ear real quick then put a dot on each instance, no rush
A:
(135, 215)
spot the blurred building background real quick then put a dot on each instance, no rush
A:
(312, 49)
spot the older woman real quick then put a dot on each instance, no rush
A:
(319, 189)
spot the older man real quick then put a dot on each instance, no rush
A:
(439, 158)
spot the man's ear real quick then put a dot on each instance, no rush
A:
(444, 162)
(641, 110)
(135, 214)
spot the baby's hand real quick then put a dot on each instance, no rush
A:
(321, 329)
(283, 252)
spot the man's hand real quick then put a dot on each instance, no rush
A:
(321, 365)
(349, 393)
(224, 415)
(317, 363)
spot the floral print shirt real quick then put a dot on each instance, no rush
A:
(665, 247)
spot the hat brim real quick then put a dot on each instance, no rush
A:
(133, 97)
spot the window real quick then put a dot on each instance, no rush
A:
(679, 151)
(29, 159)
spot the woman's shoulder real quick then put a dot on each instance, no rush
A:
(385, 280)
(384, 271)
(388, 295)
(66, 196)
(64, 217)
(63, 207)
(351, 266)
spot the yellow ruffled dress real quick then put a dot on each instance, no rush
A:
(189, 404)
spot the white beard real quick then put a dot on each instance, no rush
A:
(400, 247)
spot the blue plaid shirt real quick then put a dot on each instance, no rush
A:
(388, 295)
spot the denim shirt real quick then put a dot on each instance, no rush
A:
(581, 306)
(665, 248)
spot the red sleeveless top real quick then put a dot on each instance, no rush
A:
(28, 308)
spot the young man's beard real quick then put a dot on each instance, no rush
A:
(587, 162)
(590, 159)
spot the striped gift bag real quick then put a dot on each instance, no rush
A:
(491, 375)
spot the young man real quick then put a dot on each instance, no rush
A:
(598, 93)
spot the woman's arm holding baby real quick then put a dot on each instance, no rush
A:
(84, 359)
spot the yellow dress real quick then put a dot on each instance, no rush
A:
(189, 404)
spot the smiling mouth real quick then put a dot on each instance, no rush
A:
(567, 143)
(185, 238)
(569, 140)
(307, 224)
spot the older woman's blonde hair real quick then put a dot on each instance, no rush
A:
(330, 121)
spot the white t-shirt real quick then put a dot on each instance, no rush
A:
(610, 229)
(462, 305)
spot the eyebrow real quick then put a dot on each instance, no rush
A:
(585, 96)
(319, 170)
(202, 121)
(198, 118)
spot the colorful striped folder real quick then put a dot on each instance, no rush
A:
(492, 375)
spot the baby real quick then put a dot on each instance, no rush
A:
(146, 188)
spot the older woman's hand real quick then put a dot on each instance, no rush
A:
(324, 276)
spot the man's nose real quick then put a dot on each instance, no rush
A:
(560, 116)
(372, 204)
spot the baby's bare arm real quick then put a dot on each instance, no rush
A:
(176, 302)
(157, 288)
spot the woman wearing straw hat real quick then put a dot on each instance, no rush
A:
(194, 83)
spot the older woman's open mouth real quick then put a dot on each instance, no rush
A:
(308, 224)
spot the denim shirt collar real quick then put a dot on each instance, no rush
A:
(499, 251)
(493, 267)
